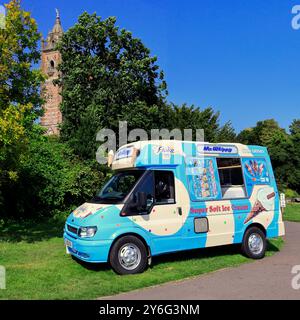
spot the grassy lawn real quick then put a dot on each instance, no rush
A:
(38, 268)
(292, 212)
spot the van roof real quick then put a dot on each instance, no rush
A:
(144, 153)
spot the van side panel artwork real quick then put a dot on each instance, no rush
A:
(172, 195)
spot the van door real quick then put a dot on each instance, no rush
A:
(163, 217)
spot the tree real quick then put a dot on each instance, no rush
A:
(19, 89)
(246, 136)
(191, 117)
(295, 127)
(52, 180)
(294, 178)
(269, 134)
(19, 82)
(226, 133)
(107, 75)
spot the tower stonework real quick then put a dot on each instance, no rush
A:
(51, 93)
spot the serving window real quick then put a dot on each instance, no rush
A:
(231, 178)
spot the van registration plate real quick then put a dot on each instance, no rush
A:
(68, 243)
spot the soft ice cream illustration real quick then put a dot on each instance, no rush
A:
(264, 202)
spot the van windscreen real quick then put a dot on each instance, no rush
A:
(118, 186)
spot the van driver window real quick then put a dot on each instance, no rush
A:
(145, 186)
(164, 187)
(231, 178)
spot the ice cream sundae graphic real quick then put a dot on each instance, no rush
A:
(86, 210)
(264, 202)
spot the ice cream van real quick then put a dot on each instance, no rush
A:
(167, 196)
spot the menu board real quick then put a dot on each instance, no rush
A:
(202, 178)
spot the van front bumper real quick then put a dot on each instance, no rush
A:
(95, 251)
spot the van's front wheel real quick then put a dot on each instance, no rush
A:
(128, 255)
(254, 243)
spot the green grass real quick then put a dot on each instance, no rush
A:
(38, 268)
(292, 212)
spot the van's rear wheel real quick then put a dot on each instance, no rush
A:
(128, 255)
(254, 243)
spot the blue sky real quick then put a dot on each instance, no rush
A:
(239, 56)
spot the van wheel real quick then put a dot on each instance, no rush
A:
(128, 255)
(254, 243)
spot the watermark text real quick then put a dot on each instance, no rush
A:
(2, 278)
(296, 18)
(296, 279)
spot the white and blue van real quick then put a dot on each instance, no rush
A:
(168, 195)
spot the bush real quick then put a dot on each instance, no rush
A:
(289, 193)
(51, 180)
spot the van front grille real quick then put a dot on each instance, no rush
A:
(72, 229)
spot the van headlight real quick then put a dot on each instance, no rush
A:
(87, 232)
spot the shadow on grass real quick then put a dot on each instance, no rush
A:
(196, 253)
(31, 231)
(210, 252)
(92, 266)
(171, 257)
(272, 248)
(227, 250)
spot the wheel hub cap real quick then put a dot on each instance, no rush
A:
(129, 256)
(255, 243)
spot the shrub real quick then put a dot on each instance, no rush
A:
(51, 180)
(289, 193)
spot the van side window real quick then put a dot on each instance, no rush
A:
(164, 187)
(145, 186)
(231, 178)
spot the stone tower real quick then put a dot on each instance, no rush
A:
(50, 59)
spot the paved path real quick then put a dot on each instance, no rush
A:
(269, 278)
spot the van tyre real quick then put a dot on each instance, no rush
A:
(254, 243)
(128, 255)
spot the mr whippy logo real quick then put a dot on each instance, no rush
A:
(2, 17)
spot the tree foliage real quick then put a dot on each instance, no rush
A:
(19, 82)
(51, 180)
(107, 76)
(283, 148)
(191, 117)
(19, 89)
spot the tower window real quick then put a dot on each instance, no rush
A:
(52, 64)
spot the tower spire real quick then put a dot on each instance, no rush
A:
(57, 26)
(51, 58)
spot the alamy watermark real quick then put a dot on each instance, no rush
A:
(296, 19)
(2, 17)
(109, 139)
(296, 279)
(2, 278)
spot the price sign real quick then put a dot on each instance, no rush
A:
(282, 200)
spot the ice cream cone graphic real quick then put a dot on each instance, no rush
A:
(260, 169)
(264, 202)
(248, 167)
